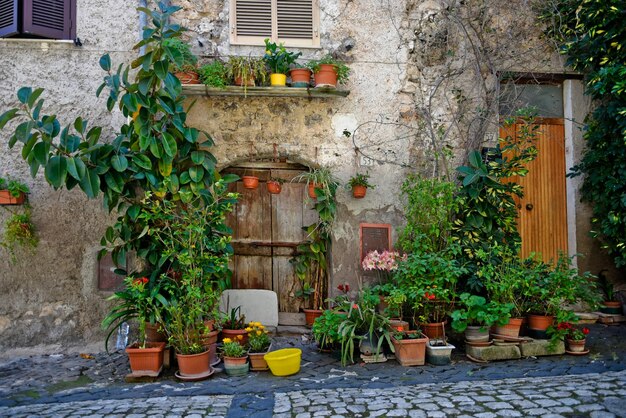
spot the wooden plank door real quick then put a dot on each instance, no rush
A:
(542, 218)
(266, 232)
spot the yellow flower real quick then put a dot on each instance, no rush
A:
(240, 337)
(258, 333)
(248, 329)
(261, 326)
(227, 340)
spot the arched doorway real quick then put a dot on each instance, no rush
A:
(267, 228)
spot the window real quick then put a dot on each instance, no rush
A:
(52, 19)
(292, 22)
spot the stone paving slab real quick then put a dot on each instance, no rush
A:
(595, 395)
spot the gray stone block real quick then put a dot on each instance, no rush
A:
(538, 348)
(494, 352)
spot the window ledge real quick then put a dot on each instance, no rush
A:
(201, 90)
(41, 43)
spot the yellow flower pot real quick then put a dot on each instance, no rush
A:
(278, 80)
(284, 362)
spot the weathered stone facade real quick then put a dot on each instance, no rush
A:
(423, 79)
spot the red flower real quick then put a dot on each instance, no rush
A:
(340, 287)
(355, 306)
(347, 287)
(400, 328)
(585, 331)
(429, 296)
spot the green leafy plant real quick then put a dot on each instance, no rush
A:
(182, 57)
(361, 180)
(19, 232)
(213, 74)
(234, 319)
(342, 70)
(407, 335)
(591, 34)
(258, 338)
(233, 349)
(14, 187)
(477, 311)
(326, 329)
(248, 69)
(311, 263)
(277, 58)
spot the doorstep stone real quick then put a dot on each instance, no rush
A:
(494, 352)
(538, 348)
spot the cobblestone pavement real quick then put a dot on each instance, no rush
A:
(70, 379)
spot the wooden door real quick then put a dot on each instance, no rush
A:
(267, 229)
(542, 218)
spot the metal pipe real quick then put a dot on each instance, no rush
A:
(143, 22)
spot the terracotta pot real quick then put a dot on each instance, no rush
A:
(312, 187)
(300, 77)
(433, 330)
(576, 346)
(146, 361)
(7, 199)
(236, 366)
(511, 329)
(193, 364)
(233, 333)
(239, 82)
(326, 76)
(250, 182)
(311, 314)
(274, 187)
(153, 334)
(540, 322)
(611, 307)
(358, 191)
(188, 77)
(398, 324)
(210, 338)
(278, 80)
(476, 334)
(410, 352)
(257, 362)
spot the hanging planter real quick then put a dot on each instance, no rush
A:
(274, 186)
(359, 185)
(250, 182)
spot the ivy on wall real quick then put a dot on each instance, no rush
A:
(592, 35)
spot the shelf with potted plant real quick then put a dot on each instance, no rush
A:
(12, 192)
(250, 91)
(359, 185)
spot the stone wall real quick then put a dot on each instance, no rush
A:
(423, 80)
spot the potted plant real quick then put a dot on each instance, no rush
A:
(300, 76)
(259, 344)
(410, 347)
(318, 178)
(12, 192)
(278, 60)
(274, 185)
(250, 182)
(19, 232)
(328, 72)
(234, 326)
(326, 330)
(360, 184)
(574, 337)
(610, 305)
(310, 313)
(213, 74)
(246, 71)
(184, 62)
(235, 358)
(477, 315)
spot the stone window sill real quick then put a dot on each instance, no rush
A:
(201, 90)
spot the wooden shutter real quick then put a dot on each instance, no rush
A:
(8, 17)
(50, 18)
(292, 22)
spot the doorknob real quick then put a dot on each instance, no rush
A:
(529, 206)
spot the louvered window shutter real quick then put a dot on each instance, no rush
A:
(50, 18)
(292, 22)
(8, 17)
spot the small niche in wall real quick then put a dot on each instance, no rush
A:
(107, 279)
(374, 237)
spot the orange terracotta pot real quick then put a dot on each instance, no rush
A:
(233, 335)
(250, 182)
(576, 346)
(311, 314)
(210, 338)
(410, 352)
(146, 361)
(274, 187)
(7, 199)
(326, 76)
(188, 77)
(239, 82)
(358, 191)
(300, 77)
(540, 322)
(153, 334)
(312, 187)
(193, 364)
(433, 330)
(511, 329)
(257, 362)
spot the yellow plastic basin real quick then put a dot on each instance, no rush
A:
(284, 362)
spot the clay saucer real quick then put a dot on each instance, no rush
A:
(577, 353)
(479, 343)
(194, 377)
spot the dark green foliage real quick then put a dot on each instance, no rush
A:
(213, 74)
(592, 34)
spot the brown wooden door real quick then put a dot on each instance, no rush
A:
(267, 229)
(542, 218)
